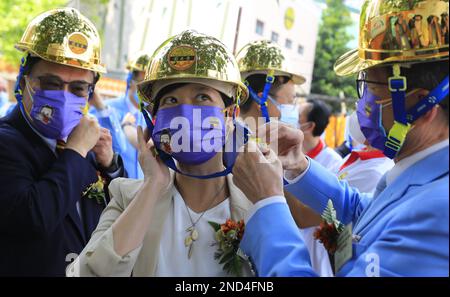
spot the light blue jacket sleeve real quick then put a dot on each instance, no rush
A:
(318, 185)
(274, 243)
(109, 119)
(413, 243)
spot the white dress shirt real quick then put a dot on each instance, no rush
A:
(173, 254)
(363, 170)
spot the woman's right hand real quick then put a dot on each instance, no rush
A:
(153, 168)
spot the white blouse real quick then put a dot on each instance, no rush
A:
(173, 254)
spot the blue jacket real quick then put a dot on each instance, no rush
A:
(118, 108)
(404, 230)
(40, 227)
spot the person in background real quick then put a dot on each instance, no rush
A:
(122, 115)
(270, 83)
(4, 98)
(55, 161)
(365, 165)
(272, 96)
(314, 118)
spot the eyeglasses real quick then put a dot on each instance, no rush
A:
(361, 83)
(52, 82)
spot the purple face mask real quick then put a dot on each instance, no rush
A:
(56, 112)
(189, 133)
(370, 120)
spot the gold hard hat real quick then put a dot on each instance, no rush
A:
(192, 57)
(263, 55)
(398, 31)
(63, 36)
(138, 62)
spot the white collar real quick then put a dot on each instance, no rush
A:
(407, 162)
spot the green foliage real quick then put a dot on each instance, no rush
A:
(14, 18)
(16, 14)
(332, 43)
(260, 56)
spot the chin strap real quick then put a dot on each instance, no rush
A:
(262, 101)
(18, 93)
(402, 118)
(169, 160)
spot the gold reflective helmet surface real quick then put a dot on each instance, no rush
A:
(261, 56)
(398, 31)
(63, 36)
(138, 62)
(192, 57)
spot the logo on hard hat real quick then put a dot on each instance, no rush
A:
(78, 43)
(182, 57)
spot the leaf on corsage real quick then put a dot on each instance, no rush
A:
(228, 237)
(96, 190)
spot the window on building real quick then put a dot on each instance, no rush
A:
(288, 43)
(259, 27)
(274, 37)
(300, 49)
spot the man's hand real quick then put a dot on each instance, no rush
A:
(259, 175)
(103, 150)
(84, 136)
(288, 143)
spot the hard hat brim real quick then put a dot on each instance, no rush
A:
(350, 63)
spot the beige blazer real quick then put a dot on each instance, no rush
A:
(98, 258)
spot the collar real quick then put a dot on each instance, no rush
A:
(362, 155)
(405, 163)
(316, 151)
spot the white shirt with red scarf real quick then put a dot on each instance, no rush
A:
(325, 156)
(363, 169)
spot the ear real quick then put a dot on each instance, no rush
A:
(311, 127)
(428, 117)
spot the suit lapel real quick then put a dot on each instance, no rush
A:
(239, 204)
(148, 257)
(76, 221)
(420, 173)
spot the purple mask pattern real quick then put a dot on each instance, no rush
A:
(369, 117)
(55, 113)
(191, 134)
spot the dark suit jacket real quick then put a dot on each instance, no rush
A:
(40, 228)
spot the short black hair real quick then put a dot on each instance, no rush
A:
(170, 88)
(319, 114)
(427, 76)
(29, 64)
(257, 83)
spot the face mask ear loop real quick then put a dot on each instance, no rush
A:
(397, 134)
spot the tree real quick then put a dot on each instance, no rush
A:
(16, 14)
(332, 43)
(14, 18)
